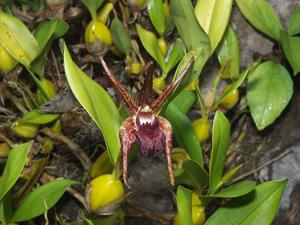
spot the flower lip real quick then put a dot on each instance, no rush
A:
(145, 117)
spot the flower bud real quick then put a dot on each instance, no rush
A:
(231, 99)
(202, 129)
(196, 200)
(103, 191)
(97, 37)
(163, 45)
(134, 68)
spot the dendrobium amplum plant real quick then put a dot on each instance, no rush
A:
(164, 45)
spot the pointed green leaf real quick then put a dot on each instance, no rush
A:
(41, 199)
(97, 103)
(269, 90)
(236, 190)
(291, 48)
(184, 205)
(17, 39)
(262, 16)
(120, 36)
(150, 43)
(38, 117)
(156, 14)
(49, 28)
(213, 16)
(196, 174)
(220, 140)
(14, 165)
(45, 33)
(294, 24)
(176, 53)
(185, 100)
(229, 52)
(188, 27)
(61, 28)
(230, 174)
(184, 133)
(258, 207)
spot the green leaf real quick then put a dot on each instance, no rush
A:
(92, 6)
(236, 190)
(230, 174)
(45, 33)
(291, 48)
(233, 86)
(176, 53)
(150, 43)
(14, 165)
(184, 133)
(41, 199)
(188, 27)
(229, 52)
(294, 25)
(269, 90)
(257, 207)
(220, 140)
(120, 36)
(38, 117)
(17, 39)
(184, 205)
(185, 100)
(49, 28)
(97, 103)
(6, 208)
(213, 16)
(61, 28)
(196, 174)
(156, 14)
(262, 16)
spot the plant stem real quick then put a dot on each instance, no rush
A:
(216, 85)
(39, 84)
(117, 173)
